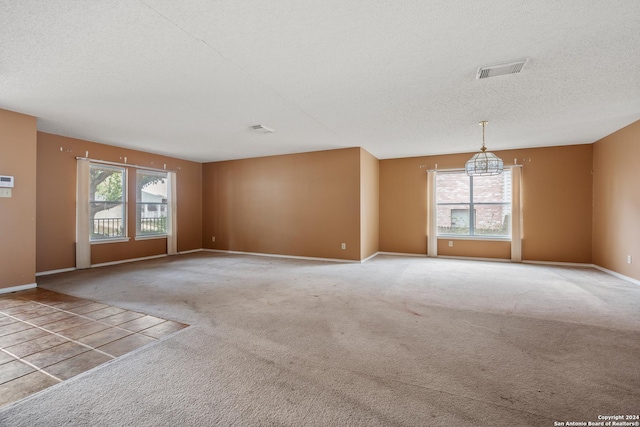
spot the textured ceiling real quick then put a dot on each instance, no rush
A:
(190, 78)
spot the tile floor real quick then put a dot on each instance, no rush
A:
(47, 337)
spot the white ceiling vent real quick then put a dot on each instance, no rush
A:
(501, 69)
(262, 129)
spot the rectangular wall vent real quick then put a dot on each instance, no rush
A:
(501, 69)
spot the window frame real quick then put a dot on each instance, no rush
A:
(139, 204)
(124, 202)
(471, 207)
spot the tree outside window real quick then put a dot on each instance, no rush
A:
(107, 202)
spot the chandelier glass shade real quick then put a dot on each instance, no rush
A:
(484, 163)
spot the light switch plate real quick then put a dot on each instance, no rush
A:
(5, 192)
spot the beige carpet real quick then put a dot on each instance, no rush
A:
(394, 341)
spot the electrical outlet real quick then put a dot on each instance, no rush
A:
(213, 238)
(450, 243)
(343, 246)
(628, 259)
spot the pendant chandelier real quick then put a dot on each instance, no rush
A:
(484, 163)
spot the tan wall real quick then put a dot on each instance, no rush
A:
(56, 202)
(369, 204)
(299, 204)
(18, 213)
(616, 201)
(403, 205)
(556, 204)
(474, 248)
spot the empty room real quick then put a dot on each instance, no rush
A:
(218, 213)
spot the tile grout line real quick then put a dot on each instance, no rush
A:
(59, 335)
(83, 317)
(26, 362)
(98, 320)
(90, 320)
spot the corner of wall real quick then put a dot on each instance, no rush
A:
(18, 205)
(369, 204)
(615, 229)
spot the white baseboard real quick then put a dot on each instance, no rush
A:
(471, 258)
(468, 258)
(65, 270)
(402, 254)
(281, 256)
(561, 264)
(618, 275)
(61, 270)
(369, 257)
(18, 288)
(586, 265)
(124, 261)
(190, 252)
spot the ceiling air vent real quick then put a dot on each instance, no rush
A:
(262, 129)
(501, 69)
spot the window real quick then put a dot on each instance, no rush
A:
(151, 200)
(107, 202)
(473, 205)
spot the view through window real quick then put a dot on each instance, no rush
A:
(473, 205)
(107, 202)
(151, 200)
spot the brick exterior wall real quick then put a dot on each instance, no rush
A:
(454, 187)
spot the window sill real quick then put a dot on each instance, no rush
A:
(485, 238)
(151, 237)
(116, 240)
